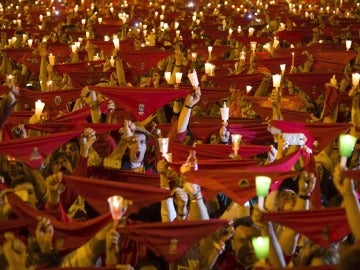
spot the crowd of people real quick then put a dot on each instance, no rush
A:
(119, 78)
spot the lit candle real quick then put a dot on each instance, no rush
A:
(346, 147)
(251, 31)
(99, 20)
(276, 80)
(163, 146)
(51, 59)
(282, 68)
(193, 56)
(236, 138)
(262, 189)
(116, 42)
(207, 68)
(292, 59)
(193, 78)
(355, 79)
(261, 247)
(116, 208)
(224, 111)
(167, 76)
(210, 48)
(49, 85)
(248, 89)
(178, 76)
(348, 44)
(9, 80)
(112, 61)
(39, 107)
(253, 46)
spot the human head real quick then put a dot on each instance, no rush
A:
(72, 149)
(137, 147)
(241, 241)
(350, 259)
(60, 162)
(24, 184)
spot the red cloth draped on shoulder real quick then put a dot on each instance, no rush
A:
(71, 235)
(313, 84)
(239, 185)
(323, 133)
(322, 226)
(172, 239)
(96, 191)
(55, 101)
(34, 150)
(141, 102)
(239, 81)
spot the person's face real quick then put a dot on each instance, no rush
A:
(286, 200)
(241, 244)
(137, 148)
(71, 149)
(213, 139)
(31, 195)
(61, 164)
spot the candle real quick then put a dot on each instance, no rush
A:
(242, 56)
(276, 80)
(346, 147)
(262, 188)
(167, 76)
(116, 208)
(49, 85)
(112, 61)
(193, 78)
(51, 59)
(355, 79)
(39, 107)
(251, 31)
(348, 44)
(99, 20)
(178, 76)
(163, 146)
(292, 59)
(261, 247)
(73, 48)
(253, 46)
(208, 68)
(9, 80)
(224, 111)
(236, 138)
(210, 49)
(193, 56)
(248, 89)
(282, 68)
(116, 42)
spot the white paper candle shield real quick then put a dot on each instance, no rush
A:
(116, 206)
(355, 79)
(224, 111)
(348, 44)
(276, 80)
(39, 107)
(282, 68)
(167, 76)
(193, 78)
(51, 59)
(178, 76)
(248, 89)
(116, 42)
(163, 146)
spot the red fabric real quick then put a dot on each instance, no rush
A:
(313, 84)
(353, 174)
(108, 46)
(71, 67)
(31, 61)
(23, 149)
(213, 151)
(144, 59)
(75, 116)
(131, 98)
(238, 81)
(96, 191)
(287, 102)
(60, 51)
(332, 99)
(55, 100)
(73, 235)
(17, 54)
(295, 36)
(172, 239)
(337, 59)
(61, 126)
(273, 64)
(246, 39)
(13, 120)
(81, 79)
(227, 181)
(218, 51)
(289, 115)
(323, 133)
(323, 226)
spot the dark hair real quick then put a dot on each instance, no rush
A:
(243, 221)
(148, 262)
(350, 259)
